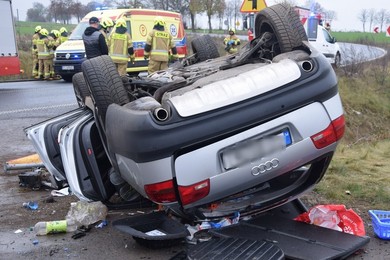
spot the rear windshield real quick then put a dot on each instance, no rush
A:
(77, 33)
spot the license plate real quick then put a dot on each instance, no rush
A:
(249, 150)
(68, 67)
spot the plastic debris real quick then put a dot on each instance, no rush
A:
(61, 192)
(33, 205)
(102, 224)
(18, 231)
(35, 242)
(87, 213)
(52, 227)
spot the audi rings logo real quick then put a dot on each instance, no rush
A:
(264, 167)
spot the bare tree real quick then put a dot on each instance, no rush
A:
(236, 11)
(36, 13)
(363, 16)
(78, 10)
(129, 3)
(286, 2)
(220, 12)
(195, 7)
(371, 18)
(381, 17)
(330, 15)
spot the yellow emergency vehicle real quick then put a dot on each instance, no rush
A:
(70, 54)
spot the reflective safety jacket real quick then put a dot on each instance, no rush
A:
(64, 37)
(233, 41)
(34, 49)
(119, 43)
(43, 46)
(161, 42)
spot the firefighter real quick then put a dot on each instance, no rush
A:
(231, 42)
(34, 51)
(43, 46)
(107, 24)
(121, 46)
(64, 34)
(55, 39)
(158, 44)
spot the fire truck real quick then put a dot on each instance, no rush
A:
(9, 58)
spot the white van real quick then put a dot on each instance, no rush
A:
(326, 44)
(318, 36)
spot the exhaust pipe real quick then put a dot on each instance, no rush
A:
(161, 114)
(307, 65)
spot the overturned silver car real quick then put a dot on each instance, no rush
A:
(208, 137)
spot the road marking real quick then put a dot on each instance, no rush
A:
(35, 109)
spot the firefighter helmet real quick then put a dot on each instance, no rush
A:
(38, 28)
(63, 29)
(232, 30)
(56, 33)
(120, 23)
(107, 22)
(44, 32)
(159, 21)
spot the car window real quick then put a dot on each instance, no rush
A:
(327, 36)
(77, 33)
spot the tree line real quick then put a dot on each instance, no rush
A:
(374, 17)
(227, 12)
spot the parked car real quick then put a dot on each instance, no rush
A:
(210, 136)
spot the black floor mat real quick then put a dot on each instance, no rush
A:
(296, 239)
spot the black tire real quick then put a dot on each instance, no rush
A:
(337, 60)
(81, 89)
(67, 78)
(105, 84)
(205, 48)
(284, 23)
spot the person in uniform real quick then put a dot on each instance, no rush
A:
(34, 52)
(157, 46)
(64, 34)
(231, 42)
(94, 41)
(43, 46)
(106, 24)
(121, 46)
(55, 39)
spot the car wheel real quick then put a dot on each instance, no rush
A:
(67, 78)
(205, 48)
(284, 23)
(337, 60)
(105, 84)
(80, 87)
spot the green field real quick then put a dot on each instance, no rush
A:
(27, 28)
(361, 37)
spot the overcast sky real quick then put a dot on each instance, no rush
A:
(347, 10)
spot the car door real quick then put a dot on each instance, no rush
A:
(44, 137)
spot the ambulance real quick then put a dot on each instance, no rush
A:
(70, 54)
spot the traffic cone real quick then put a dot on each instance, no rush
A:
(34, 158)
(27, 162)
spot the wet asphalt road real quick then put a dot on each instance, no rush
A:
(23, 104)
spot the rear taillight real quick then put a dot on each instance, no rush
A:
(331, 134)
(194, 192)
(162, 192)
